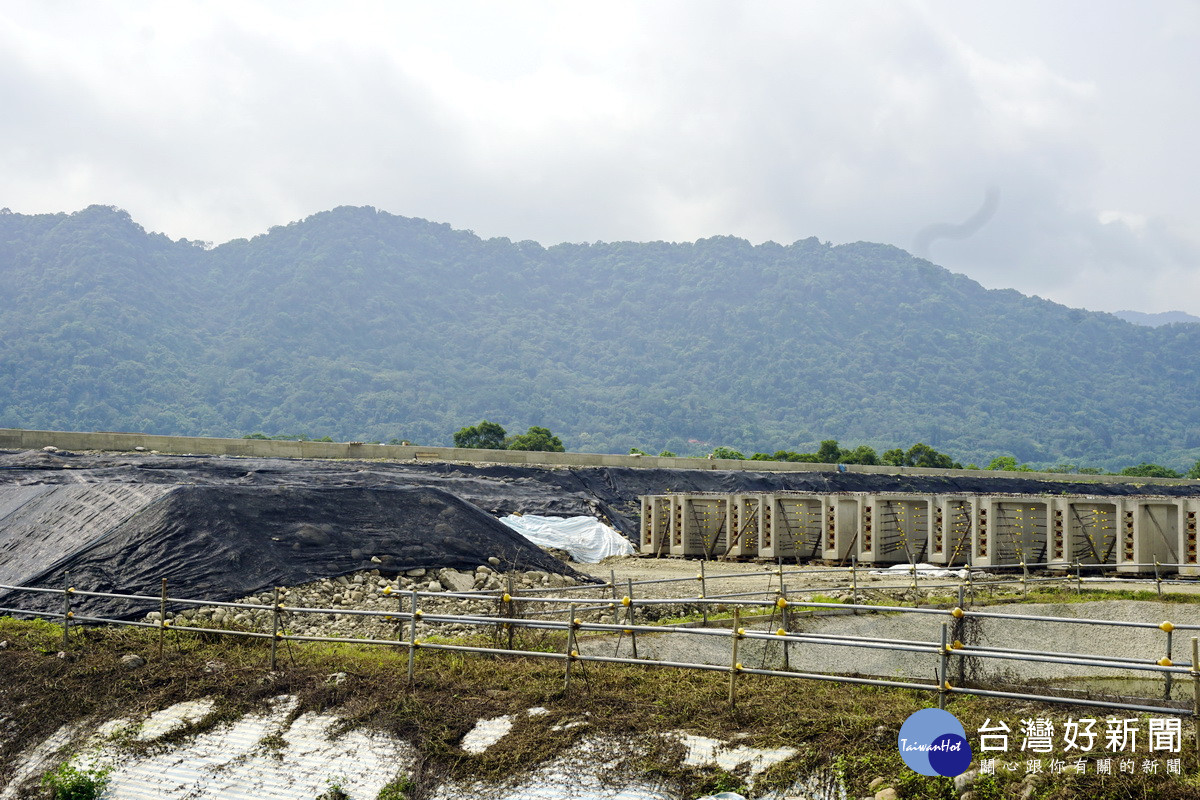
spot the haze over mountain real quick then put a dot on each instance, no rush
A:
(1154, 320)
(359, 324)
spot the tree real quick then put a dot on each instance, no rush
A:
(666, 454)
(919, 455)
(727, 452)
(484, 436)
(922, 455)
(829, 452)
(1194, 472)
(1145, 470)
(540, 439)
(860, 455)
(1007, 464)
(790, 455)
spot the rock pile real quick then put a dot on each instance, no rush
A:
(371, 590)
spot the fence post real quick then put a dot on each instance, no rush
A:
(632, 632)
(415, 613)
(703, 592)
(162, 617)
(511, 611)
(399, 611)
(1158, 581)
(1169, 628)
(944, 666)
(1078, 577)
(275, 629)
(612, 582)
(67, 614)
(957, 635)
(734, 666)
(783, 613)
(572, 654)
(1196, 691)
(854, 580)
(1024, 580)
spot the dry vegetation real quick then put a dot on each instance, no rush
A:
(848, 729)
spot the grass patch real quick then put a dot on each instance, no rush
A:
(626, 704)
(1009, 594)
(65, 782)
(1089, 595)
(399, 789)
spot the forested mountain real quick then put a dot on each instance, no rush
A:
(363, 325)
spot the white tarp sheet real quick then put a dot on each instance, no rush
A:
(587, 539)
(922, 570)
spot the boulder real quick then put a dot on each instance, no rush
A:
(132, 661)
(456, 581)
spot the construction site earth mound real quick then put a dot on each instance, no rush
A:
(220, 527)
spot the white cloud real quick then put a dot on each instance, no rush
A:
(673, 120)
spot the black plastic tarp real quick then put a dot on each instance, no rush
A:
(224, 542)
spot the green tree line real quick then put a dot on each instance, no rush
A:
(368, 326)
(490, 436)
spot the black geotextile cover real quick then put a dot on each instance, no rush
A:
(224, 542)
(609, 493)
(226, 539)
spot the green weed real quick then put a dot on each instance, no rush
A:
(70, 783)
(398, 789)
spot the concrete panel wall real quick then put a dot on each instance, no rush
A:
(1189, 519)
(794, 527)
(1150, 533)
(896, 528)
(745, 531)
(1018, 530)
(1132, 533)
(843, 529)
(700, 525)
(1084, 530)
(952, 529)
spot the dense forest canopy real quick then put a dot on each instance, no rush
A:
(359, 324)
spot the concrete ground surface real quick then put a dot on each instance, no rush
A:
(1003, 632)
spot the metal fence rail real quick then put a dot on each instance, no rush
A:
(972, 579)
(514, 611)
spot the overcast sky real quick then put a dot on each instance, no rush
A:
(1064, 132)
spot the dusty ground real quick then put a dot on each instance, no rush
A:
(825, 583)
(680, 578)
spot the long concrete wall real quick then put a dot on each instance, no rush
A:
(20, 439)
(1134, 533)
